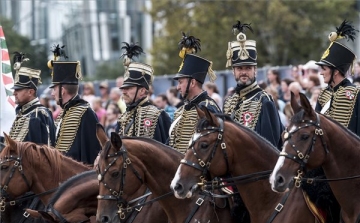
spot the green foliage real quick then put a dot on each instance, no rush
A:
(286, 32)
(36, 54)
(109, 70)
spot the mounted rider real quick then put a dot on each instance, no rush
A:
(141, 117)
(190, 77)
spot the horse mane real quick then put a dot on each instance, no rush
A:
(249, 131)
(36, 153)
(299, 116)
(159, 144)
(69, 184)
(149, 141)
(348, 131)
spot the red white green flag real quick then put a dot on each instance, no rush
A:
(7, 100)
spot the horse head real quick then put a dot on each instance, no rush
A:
(206, 145)
(14, 178)
(301, 149)
(115, 170)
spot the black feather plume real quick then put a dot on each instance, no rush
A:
(131, 50)
(18, 57)
(59, 51)
(241, 27)
(189, 42)
(346, 30)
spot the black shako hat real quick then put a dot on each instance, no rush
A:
(337, 55)
(192, 65)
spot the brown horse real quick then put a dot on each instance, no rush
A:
(222, 147)
(128, 163)
(74, 201)
(26, 166)
(313, 140)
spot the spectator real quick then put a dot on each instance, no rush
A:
(296, 88)
(99, 110)
(162, 102)
(313, 82)
(286, 94)
(314, 96)
(112, 115)
(104, 94)
(115, 97)
(172, 95)
(213, 92)
(88, 92)
(273, 77)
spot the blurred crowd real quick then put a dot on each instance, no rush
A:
(108, 105)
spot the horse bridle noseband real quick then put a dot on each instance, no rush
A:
(3, 193)
(301, 158)
(202, 165)
(117, 195)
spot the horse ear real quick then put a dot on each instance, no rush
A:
(33, 213)
(116, 140)
(101, 135)
(294, 104)
(9, 141)
(47, 216)
(200, 112)
(210, 116)
(306, 105)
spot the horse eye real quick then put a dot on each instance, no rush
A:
(304, 137)
(203, 145)
(115, 174)
(4, 167)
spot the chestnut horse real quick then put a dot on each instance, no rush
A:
(26, 166)
(127, 163)
(74, 201)
(314, 140)
(222, 147)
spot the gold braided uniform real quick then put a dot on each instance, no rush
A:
(145, 120)
(185, 120)
(344, 104)
(33, 123)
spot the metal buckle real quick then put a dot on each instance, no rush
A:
(139, 208)
(319, 132)
(279, 207)
(219, 136)
(12, 203)
(310, 181)
(199, 201)
(223, 145)
(16, 163)
(26, 214)
(300, 155)
(202, 163)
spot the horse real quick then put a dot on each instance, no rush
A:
(221, 147)
(153, 164)
(74, 201)
(313, 140)
(26, 166)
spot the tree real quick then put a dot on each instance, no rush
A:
(109, 70)
(36, 54)
(286, 32)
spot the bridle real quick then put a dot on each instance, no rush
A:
(202, 165)
(3, 192)
(117, 195)
(301, 158)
